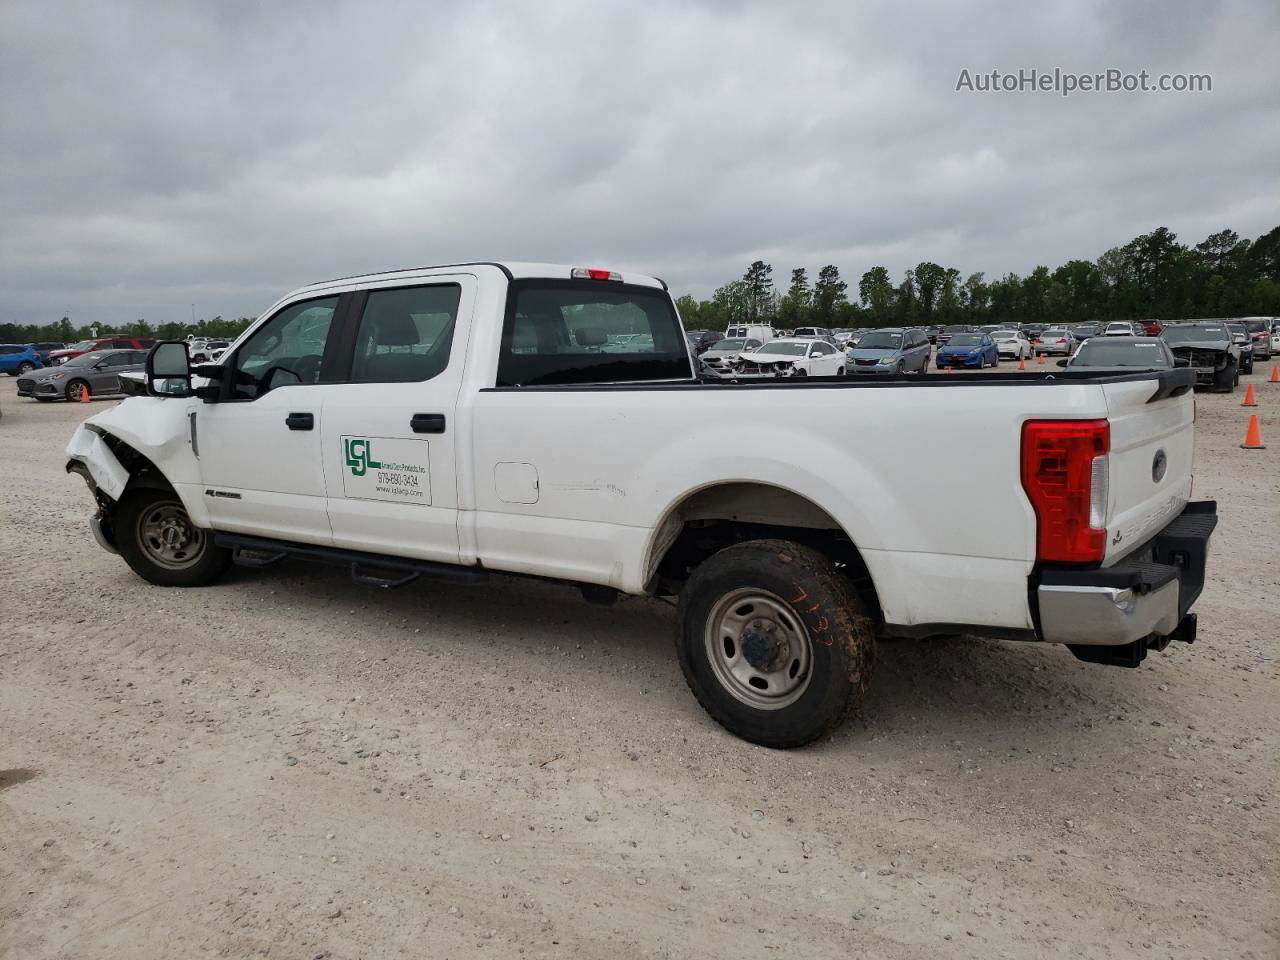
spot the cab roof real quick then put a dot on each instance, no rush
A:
(512, 269)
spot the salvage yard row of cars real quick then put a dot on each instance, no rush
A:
(1218, 350)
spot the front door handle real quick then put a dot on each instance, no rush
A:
(427, 423)
(300, 421)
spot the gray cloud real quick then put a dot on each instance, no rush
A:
(159, 154)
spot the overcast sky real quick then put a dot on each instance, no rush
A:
(155, 155)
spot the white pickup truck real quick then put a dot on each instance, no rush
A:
(529, 419)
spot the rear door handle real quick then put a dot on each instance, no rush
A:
(300, 421)
(427, 423)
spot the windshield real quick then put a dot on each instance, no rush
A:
(880, 341)
(784, 348)
(966, 340)
(84, 360)
(1188, 334)
(1104, 353)
(735, 344)
(1085, 328)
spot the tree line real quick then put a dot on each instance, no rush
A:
(1153, 275)
(65, 331)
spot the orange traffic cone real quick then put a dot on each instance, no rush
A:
(1275, 375)
(950, 369)
(1022, 363)
(1249, 399)
(84, 393)
(1040, 359)
(1253, 436)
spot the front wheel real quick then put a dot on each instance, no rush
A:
(25, 367)
(774, 642)
(76, 389)
(161, 544)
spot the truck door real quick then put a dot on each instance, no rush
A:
(389, 430)
(259, 445)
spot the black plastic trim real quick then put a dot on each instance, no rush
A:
(922, 631)
(356, 560)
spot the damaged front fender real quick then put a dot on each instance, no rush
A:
(92, 459)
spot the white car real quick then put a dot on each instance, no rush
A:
(458, 422)
(1013, 344)
(792, 357)
(1118, 328)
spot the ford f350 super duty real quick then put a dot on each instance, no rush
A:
(529, 419)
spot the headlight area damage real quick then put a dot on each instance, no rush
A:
(108, 466)
(1209, 363)
(764, 368)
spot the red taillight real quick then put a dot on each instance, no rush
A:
(1064, 472)
(586, 273)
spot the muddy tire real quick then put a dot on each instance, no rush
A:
(157, 539)
(774, 642)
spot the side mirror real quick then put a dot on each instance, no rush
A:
(169, 369)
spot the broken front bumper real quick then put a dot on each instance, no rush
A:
(1136, 604)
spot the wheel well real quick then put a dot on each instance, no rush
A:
(142, 472)
(719, 516)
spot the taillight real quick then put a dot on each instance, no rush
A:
(1065, 472)
(585, 273)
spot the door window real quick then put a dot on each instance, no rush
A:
(284, 351)
(119, 359)
(405, 335)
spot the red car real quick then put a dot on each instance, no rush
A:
(1152, 327)
(101, 343)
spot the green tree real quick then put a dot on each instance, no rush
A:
(929, 280)
(795, 306)
(758, 281)
(976, 297)
(828, 296)
(875, 293)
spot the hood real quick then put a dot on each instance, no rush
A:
(948, 348)
(65, 352)
(1201, 345)
(873, 353)
(49, 373)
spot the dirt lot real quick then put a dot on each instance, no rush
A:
(291, 765)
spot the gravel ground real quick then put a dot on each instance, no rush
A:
(288, 764)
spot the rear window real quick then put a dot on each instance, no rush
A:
(589, 331)
(1102, 353)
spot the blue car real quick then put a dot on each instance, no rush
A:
(969, 350)
(16, 358)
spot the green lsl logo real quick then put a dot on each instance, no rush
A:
(358, 452)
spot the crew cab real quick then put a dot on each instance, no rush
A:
(460, 421)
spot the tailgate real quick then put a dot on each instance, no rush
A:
(1149, 466)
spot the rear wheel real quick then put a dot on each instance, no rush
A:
(161, 544)
(26, 367)
(75, 389)
(774, 642)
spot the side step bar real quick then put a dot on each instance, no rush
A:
(370, 569)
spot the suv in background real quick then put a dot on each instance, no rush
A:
(1259, 333)
(46, 348)
(100, 343)
(889, 351)
(16, 358)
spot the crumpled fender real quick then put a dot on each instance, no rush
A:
(108, 474)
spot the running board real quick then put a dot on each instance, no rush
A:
(371, 569)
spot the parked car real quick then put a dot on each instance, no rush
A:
(947, 332)
(209, 351)
(968, 350)
(1118, 328)
(1121, 354)
(98, 344)
(1240, 337)
(811, 332)
(725, 353)
(1033, 330)
(1259, 330)
(933, 332)
(1014, 344)
(1083, 331)
(1275, 340)
(751, 331)
(1207, 349)
(792, 357)
(1151, 328)
(18, 358)
(1057, 340)
(97, 373)
(46, 347)
(491, 441)
(889, 352)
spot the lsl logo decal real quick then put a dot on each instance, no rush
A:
(358, 452)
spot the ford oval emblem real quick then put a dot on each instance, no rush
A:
(1158, 466)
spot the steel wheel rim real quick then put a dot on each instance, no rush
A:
(759, 649)
(168, 538)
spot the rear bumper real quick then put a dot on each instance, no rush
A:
(1141, 600)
